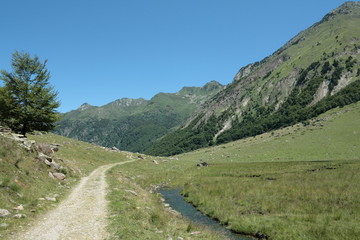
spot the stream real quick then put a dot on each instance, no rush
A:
(178, 203)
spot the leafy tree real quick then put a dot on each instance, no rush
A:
(29, 101)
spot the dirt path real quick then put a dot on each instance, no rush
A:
(81, 216)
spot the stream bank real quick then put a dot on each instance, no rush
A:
(178, 203)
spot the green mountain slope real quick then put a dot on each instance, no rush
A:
(315, 71)
(134, 124)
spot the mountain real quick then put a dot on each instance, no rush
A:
(315, 71)
(134, 124)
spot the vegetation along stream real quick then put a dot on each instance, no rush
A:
(177, 202)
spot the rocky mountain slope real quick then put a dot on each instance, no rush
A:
(134, 124)
(316, 70)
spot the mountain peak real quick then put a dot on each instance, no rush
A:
(128, 102)
(345, 9)
(84, 106)
(212, 85)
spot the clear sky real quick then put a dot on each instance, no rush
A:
(102, 50)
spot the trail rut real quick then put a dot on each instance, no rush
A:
(83, 215)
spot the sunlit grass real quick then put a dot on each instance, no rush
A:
(295, 183)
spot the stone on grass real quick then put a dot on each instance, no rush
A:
(132, 192)
(4, 213)
(59, 176)
(19, 215)
(19, 208)
(4, 225)
(52, 199)
(51, 175)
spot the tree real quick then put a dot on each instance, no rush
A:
(30, 102)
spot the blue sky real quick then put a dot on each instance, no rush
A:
(100, 51)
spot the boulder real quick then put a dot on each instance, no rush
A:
(59, 176)
(4, 213)
(55, 165)
(51, 175)
(202, 164)
(115, 149)
(19, 215)
(47, 162)
(43, 157)
(55, 147)
(154, 161)
(19, 208)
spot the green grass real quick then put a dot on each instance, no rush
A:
(285, 200)
(130, 217)
(300, 182)
(24, 179)
(143, 216)
(294, 183)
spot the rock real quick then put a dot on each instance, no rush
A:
(47, 162)
(51, 175)
(4, 225)
(55, 165)
(202, 164)
(195, 233)
(43, 157)
(132, 192)
(19, 208)
(59, 176)
(52, 199)
(4, 213)
(55, 147)
(115, 149)
(180, 238)
(154, 161)
(19, 215)
(261, 235)
(140, 157)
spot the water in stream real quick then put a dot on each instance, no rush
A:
(178, 203)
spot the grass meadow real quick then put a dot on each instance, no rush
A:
(300, 182)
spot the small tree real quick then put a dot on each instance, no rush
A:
(29, 101)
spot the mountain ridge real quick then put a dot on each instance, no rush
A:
(317, 63)
(134, 124)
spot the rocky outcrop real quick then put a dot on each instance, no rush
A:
(42, 150)
(22, 141)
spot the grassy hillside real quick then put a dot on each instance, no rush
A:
(24, 181)
(298, 182)
(134, 124)
(299, 81)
